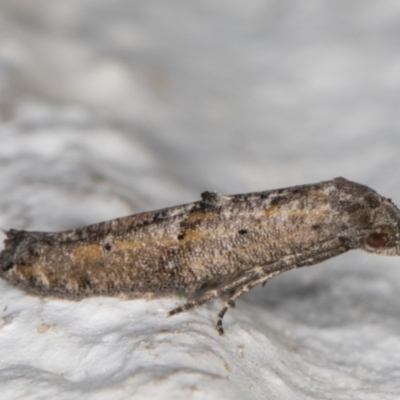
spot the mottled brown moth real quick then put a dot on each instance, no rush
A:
(220, 245)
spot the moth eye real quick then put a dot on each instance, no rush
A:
(377, 240)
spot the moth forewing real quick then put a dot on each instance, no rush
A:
(223, 244)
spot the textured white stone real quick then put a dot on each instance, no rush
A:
(111, 108)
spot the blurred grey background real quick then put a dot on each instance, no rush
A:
(223, 95)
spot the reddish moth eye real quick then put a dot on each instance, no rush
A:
(377, 240)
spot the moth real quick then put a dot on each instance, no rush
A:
(220, 245)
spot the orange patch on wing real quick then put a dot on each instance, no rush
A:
(199, 216)
(88, 252)
(27, 273)
(129, 245)
(319, 195)
(193, 235)
(166, 240)
(271, 210)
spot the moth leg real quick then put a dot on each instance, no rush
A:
(213, 294)
(230, 294)
(241, 291)
(261, 277)
(253, 275)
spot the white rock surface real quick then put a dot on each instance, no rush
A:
(110, 108)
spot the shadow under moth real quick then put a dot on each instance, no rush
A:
(220, 245)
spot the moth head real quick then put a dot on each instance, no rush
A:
(383, 235)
